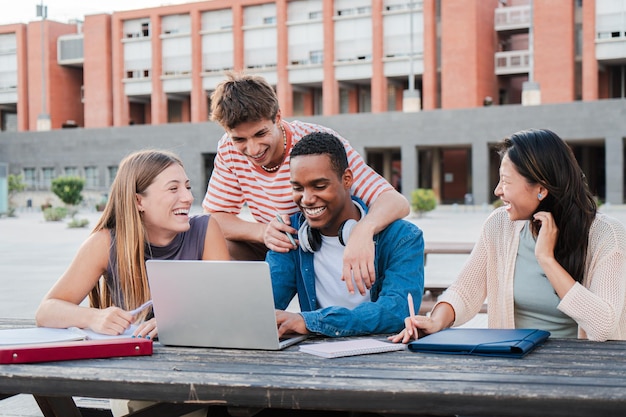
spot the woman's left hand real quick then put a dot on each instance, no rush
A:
(548, 234)
(147, 329)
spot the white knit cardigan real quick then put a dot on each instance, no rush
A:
(598, 305)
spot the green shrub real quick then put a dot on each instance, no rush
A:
(77, 223)
(423, 200)
(55, 214)
(68, 189)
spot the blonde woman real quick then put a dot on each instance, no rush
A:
(146, 217)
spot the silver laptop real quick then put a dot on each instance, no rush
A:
(224, 304)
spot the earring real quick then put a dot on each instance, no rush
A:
(539, 196)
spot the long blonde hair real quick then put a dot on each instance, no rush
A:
(121, 215)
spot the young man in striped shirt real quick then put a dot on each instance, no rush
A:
(252, 167)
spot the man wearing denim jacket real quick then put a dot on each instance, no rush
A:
(321, 182)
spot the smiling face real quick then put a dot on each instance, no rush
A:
(520, 198)
(262, 142)
(321, 195)
(165, 205)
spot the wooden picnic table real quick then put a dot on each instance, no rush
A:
(564, 377)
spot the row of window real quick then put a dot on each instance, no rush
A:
(41, 178)
(180, 24)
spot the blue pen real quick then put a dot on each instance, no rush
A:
(291, 239)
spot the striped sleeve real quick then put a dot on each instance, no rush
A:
(223, 191)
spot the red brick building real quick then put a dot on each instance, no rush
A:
(159, 65)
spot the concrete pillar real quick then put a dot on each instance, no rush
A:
(409, 169)
(614, 155)
(480, 173)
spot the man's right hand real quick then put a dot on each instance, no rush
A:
(275, 237)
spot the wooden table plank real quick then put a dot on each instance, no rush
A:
(563, 377)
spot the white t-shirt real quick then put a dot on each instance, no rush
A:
(329, 288)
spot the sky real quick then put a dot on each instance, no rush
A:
(24, 11)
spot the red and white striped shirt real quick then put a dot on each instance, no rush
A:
(235, 180)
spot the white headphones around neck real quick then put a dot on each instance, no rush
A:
(311, 239)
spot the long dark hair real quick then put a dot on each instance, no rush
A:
(542, 157)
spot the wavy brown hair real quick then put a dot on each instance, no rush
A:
(121, 215)
(243, 98)
(542, 157)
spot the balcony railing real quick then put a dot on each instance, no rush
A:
(512, 62)
(514, 17)
(70, 49)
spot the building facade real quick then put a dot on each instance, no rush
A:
(326, 58)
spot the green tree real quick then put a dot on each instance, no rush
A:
(16, 185)
(68, 189)
(423, 200)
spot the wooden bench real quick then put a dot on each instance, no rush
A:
(431, 292)
(447, 248)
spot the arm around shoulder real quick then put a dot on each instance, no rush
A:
(388, 207)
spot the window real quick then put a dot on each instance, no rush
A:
(177, 55)
(136, 28)
(178, 23)
(137, 59)
(217, 20)
(8, 121)
(145, 29)
(91, 177)
(610, 19)
(112, 172)
(71, 171)
(317, 57)
(30, 177)
(260, 47)
(306, 43)
(47, 177)
(260, 15)
(217, 51)
(304, 10)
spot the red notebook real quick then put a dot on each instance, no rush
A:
(80, 349)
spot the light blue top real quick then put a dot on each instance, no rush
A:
(399, 265)
(535, 299)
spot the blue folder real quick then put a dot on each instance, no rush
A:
(510, 343)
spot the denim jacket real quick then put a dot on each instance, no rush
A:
(399, 265)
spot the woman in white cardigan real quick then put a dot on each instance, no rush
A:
(546, 259)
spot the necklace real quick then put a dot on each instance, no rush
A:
(274, 169)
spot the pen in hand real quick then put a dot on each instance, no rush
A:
(291, 239)
(141, 308)
(411, 314)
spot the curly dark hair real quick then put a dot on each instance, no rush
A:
(323, 143)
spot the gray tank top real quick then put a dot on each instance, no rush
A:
(188, 245)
